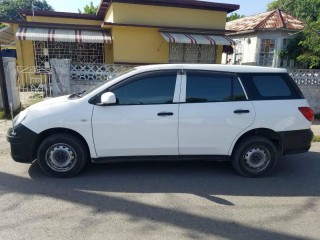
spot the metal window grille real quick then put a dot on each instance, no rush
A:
(77, 52)
(189, 53)
(267, 50)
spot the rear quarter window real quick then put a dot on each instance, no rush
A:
(266, 86)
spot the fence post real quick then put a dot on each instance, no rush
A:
(3, 88)
(10, 72)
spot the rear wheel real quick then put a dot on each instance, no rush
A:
(62, 155)
(255, 157)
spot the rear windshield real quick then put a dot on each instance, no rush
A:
(270, 86)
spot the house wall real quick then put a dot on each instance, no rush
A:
(165, 16)
(135, 44)
(251, 51)
(25, 52)
(146, 45)
(139, 45)
(248, 47)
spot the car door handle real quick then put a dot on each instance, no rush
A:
(163, 114)
(239, 111)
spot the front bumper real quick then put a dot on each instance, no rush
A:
(296, 141)
(22, 143)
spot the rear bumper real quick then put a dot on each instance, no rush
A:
(296, 141)
(22, 143)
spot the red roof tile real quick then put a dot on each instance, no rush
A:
(269, 20)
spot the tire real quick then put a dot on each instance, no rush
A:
(255, 156)
(62, 155)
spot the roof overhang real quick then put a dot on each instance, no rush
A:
(167, 28)
(191, 4)
(42, 13)
(263, 30)
(54, 25)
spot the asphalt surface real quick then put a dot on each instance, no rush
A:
(189, 200)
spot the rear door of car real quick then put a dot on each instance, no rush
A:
(214, 110)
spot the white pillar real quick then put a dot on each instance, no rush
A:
(60, 76)
(10, 72)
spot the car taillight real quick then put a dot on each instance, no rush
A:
(307, 112)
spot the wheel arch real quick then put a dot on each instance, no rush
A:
(273, 136)
(52, 131)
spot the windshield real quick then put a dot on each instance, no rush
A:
(103, 82)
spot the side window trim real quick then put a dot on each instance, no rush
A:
(183, 94)
(243, 89)
(177, 89)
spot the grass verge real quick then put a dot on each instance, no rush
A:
(316, 139)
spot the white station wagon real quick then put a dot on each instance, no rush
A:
(246, 115)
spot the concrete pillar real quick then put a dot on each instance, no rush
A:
(60, 76)
(10, 72)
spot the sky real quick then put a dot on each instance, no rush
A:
(247, 7)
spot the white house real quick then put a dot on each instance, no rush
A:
(260, 38)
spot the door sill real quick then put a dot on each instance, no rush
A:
(221, 158)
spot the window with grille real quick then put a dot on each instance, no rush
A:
(77, 52)
(267, 51)
(190, 53)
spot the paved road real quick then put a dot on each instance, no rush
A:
(161, 201)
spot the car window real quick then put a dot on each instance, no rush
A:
(206, 87)
(149, 89)
(270, 86)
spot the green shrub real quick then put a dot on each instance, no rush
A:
(316, 139)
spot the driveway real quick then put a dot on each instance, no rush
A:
(189, 200)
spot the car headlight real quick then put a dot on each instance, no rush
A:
(20, 117)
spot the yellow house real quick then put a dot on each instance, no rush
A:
(125, 32)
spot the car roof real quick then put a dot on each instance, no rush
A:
(213, 67)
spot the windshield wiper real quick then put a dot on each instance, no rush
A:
(78, 95)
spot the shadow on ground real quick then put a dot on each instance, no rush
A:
(297, 175)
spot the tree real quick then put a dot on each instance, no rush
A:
(310, 45)
(89, 9)
(8, 8)
(306, 48)
(234, 16)
(302, 9)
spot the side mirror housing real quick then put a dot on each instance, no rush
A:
(108, 98)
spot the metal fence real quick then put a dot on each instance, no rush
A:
(33, 84)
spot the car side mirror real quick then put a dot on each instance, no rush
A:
(108, 98)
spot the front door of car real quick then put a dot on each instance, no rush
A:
(213, 112)
(144, 121)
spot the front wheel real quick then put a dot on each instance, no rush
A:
(62, 155)
(255, 157)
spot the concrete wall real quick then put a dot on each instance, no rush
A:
(81, 85)
(312, 94)
(60, 79)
